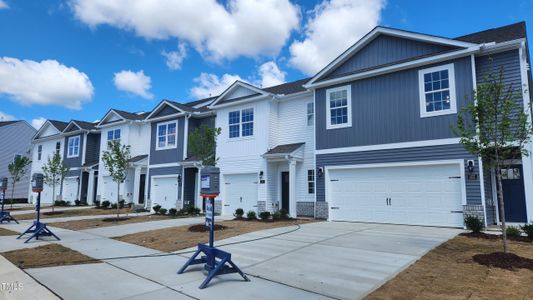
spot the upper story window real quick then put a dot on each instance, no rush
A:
(241, 123)
(339, 111)
(437, 91)
(310, 114)
(166, 135)
(311, 181)
(39, 152)
(58, 147)
(73, 146)
(113, 135)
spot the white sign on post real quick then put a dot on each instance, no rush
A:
(205, 182)
(208, 213)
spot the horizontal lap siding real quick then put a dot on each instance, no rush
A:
(445, 152)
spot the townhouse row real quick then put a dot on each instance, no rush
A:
(368, 138)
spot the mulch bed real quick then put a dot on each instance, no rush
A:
(53, 213)
(486, 236)
(203, 228)
(115, 219)
(502, 260)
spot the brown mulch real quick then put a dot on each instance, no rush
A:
(203, 228)
(73, 213)
(5, 232)
(46, 256)
(482, 235)
(115, 219)
(98, 223)
(509, 261)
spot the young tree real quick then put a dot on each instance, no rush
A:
(117, 162)
(203, 143)
(496, 128)
(54, 171)
(17, 170)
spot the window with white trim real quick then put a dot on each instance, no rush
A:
(113, 135)
(241, 123)
(166, 135)
(437, 91)
(311, 181)
(310, 114)
(339, 111)
(39, 152)
(58, 147)
(73, 146)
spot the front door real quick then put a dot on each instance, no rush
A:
(285, 191)
(141, 188)
(514, 196)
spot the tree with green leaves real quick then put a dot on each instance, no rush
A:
(202, 144)
(496, 128)
(17, 170)
(54, 171)
(117, 162)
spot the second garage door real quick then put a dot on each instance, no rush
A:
(417, 195)
(241, 192)
(165, 192)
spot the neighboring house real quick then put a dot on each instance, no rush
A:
(81, 155)
(172, 173)
(129, 129)
(385, 150)
(46, 142)
(266, 148)
(16, 141)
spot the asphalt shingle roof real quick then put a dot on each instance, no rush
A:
(60, 125)
(284, 149)
(130, 116)
(5, 123)
(499, 34)
(288, 88)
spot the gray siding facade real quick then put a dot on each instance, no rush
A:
(169, 155)
(93, 147)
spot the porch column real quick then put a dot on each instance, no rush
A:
(199, 199)
(292, 189)
(90, 187)
(136, 184)
(527, 168)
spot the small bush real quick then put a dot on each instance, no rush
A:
(191, 210)
(474, 224)
(141, 209)
(121, 203)
(162, 211)
(265, 215)
(513, 231)
(284, 214)
(97, 203)
(528, 230)
(105, 204)
(60, 203)
(156, 208)
(251, 215)
(172, 211)
(182, 212)
(77, 202)
(276, 216)
(114, 206)
(67, 203)
(239, 212)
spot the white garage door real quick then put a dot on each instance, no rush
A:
(165, 192)
(70, 189)
(109, 189)
(241, 192)
(416, 195)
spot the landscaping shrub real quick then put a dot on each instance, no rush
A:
(141, 209)
(60, 203)
(172, 211)
(251, 215)
(77, 202)
(97, 203)
(121, 203)
(196, 211)
(474, 224)
(513, 231)
(67, 203)
(191, 210)
(114, 206)
(276, 216)
(105, 204)
(528, 230)
(162, 211)
(239, 212)
(156, 208)
(284, 214)
(265, 215)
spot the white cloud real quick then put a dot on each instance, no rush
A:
(47, 82)
(6, 117)
(134, 82)
(212, 85)
(3, 5)
(333, 26)
(38, 122)
(239, 28)
(270, 75)
(174, 59)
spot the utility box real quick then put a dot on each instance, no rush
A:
(210, 181)
(3, 184)
(37, 182)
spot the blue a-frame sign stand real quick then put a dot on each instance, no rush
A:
(5, 216)
(217, 262)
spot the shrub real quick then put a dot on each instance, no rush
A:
(114, 206)
(528, 230)
(196, 211)
(513, 231)
(172, 211)
(141, 209)
(191, 210)
(105, 204)
(284, 214)
(121, 203)
(97, 203)
(251, 215)
(156, 208)
(474, 224)
(60, 203)
(162, 211)
(239, 212)
(67, 203)
(276, 216)
(77, 202)
(265, 215)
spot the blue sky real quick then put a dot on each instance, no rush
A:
(76, 59)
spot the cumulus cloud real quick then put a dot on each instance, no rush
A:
(6, 117)
(48, 82)
(134, 82)
(333, 26)
(3, 5)
(239, 28)
(38, 122)
(174, 59)
(270, 75)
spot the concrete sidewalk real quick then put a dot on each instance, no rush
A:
(15, 284)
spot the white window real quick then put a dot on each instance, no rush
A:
(310, 114)
(58, 147)
(39, 152)
(437, 91)
(241, 123)
(73, 146)
(166, 135)
(311, 181)
(113, 135)
(339, 107)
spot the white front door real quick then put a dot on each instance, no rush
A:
(240, 192)
(165, 192)
(416, 195)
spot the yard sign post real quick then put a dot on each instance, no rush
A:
(216, 262)
(37, 229)
(5, 216)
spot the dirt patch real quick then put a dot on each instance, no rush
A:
(509, 261)
(5, 232)
(53, 213)
(203, 228)
(46, 256)
(486, 236)
(73, 213)
(98, 223)
(449, 272)
(178, 238)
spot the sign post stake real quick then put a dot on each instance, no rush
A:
(5, 216)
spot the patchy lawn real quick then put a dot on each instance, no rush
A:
(449, 272)
(4, 232)
(46, 256)
(177, 238)
(73, 213)
(97, 223)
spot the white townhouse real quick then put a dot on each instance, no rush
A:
(129, 129)
(266, 148)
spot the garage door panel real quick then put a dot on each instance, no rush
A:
(241, 192)
(165, 192)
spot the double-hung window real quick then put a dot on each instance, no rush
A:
(339, 107)
(39, 152)
(58, 147)
(113, 135)
(73, 146)
(241, 123)
(311, 181)
(166, 135)
(437, 91)
(310, 114)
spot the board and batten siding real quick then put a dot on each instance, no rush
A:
(416, 154)
(386, 109)
(172, 155)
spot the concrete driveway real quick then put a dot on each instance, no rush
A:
(317, 261)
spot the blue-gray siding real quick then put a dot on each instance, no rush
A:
(93, 147)
(170, 155)
(386, 109)
(74, 162)
(432, 153)
(386, 49)
(165, 111)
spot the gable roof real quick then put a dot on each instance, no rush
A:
(499, 34)
(288, 88)
(82, 125)
(123, 115)
(255, 91)
(59, 125)
(284, 149)
(5, 123)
